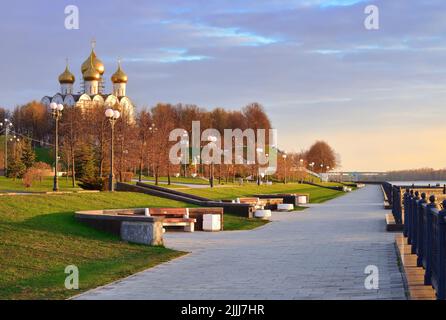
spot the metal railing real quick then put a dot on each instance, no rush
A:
(425, 226)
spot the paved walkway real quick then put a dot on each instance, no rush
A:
(320, 253)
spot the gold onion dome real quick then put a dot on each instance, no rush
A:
(66, 76)
(98, 65)
(91, 73)
(119, 76)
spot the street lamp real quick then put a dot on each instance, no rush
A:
(56, 111)
(266, 171)
(152, 130)
(284, 156)
(259, 151)
(212, 139)
(112, 116)
(179, 161)
(302, 177)
(7, 125)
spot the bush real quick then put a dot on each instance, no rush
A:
(36, 172)
(127, 176)
(16, 168)
(92, 183)
(29, 177)
(28, 155)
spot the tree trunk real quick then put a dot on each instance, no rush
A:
(168, 173)
(73, 173)
(156, 175)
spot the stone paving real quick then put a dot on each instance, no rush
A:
(319, 253)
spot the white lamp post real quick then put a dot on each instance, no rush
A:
(112, 116)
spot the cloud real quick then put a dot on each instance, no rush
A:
(168, 55)
(339, 3)
(232, 36)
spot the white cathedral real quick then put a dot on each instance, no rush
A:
(92, 88)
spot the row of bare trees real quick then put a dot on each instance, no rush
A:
(142, 145)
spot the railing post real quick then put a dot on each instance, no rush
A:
(406, 205)
(394, 202)
(411, 215)
(441, 255)
(427, 252)
(416, 223)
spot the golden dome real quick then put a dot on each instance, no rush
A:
(119, 76)
(66, 76)
(91, 73)
(98, 65)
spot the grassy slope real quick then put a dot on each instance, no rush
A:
(8, 185)
(317, 194)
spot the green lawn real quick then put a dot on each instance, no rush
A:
(317, 194)
(9, 185)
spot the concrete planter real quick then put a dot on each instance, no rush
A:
(263, 214)
(211, 222)
(285, 207)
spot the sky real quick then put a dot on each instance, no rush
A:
(376, 96)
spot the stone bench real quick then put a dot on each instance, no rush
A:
(293, 198)
(251, 201)
(270, 203)
(173, 217)
(261, 203)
